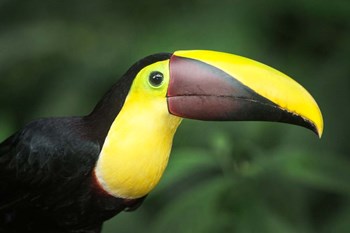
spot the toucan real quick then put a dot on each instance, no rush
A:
(70, 174)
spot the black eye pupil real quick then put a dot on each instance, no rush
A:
(156, 78)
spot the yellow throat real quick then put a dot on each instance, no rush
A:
(136, 150)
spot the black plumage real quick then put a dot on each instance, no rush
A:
(47, 183)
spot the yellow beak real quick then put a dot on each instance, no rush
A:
(209, 85)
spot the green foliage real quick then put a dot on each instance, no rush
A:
(59, 57)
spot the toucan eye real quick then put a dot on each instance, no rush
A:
(156, 78)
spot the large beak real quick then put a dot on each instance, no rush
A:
(208, 85)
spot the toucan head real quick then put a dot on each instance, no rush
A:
(162, 89)
(216, 86)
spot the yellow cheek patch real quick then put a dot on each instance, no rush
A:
(136, 150)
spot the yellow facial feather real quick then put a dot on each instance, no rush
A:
(138, 144)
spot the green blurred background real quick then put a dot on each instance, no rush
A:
(57, 58)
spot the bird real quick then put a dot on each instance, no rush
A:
(70, 174)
